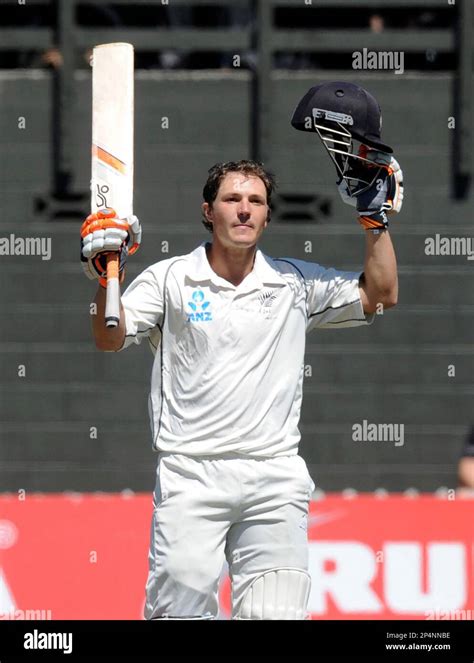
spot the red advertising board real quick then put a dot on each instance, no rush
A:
(85, 557)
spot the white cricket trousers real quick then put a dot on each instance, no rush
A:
(252, 511)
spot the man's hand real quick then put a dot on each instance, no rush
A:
(383, 197)
(102, 233)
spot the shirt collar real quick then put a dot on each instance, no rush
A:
(263, 272)
(266, 271)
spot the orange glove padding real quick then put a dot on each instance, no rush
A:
(102, 233)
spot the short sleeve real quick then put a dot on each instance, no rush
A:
(333, 298)
(143, 307)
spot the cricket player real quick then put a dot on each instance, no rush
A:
(227, 326)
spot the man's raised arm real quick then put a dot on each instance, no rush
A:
(379, 283)
(102, 233)
(108, 339)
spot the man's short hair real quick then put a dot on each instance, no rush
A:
(246, 167)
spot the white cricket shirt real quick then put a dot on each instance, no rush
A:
(228, 370)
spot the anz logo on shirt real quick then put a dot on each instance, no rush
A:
(199, 308)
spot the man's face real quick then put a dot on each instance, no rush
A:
(239, 212)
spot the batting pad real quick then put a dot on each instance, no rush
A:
(277, 594)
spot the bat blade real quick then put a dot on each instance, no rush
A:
(112, 147)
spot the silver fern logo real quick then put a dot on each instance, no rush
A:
(266, 298)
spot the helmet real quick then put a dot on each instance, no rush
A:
(340, 112)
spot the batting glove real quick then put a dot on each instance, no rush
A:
(103, 233)
(384, 197)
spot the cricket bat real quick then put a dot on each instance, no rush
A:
(112, 148)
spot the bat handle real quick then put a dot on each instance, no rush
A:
(112, 303)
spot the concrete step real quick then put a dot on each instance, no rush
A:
(383, 369)
(340, 364)
(75, 444)
(417, 285)
(72, 323)
(52, 478)
(409, 325)
(55, 457)
(96, 404)
(85, 402)
(85, 364)
(334, 443)
(412, 404)
(406, 325)
(331, 244)
(364, 477)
